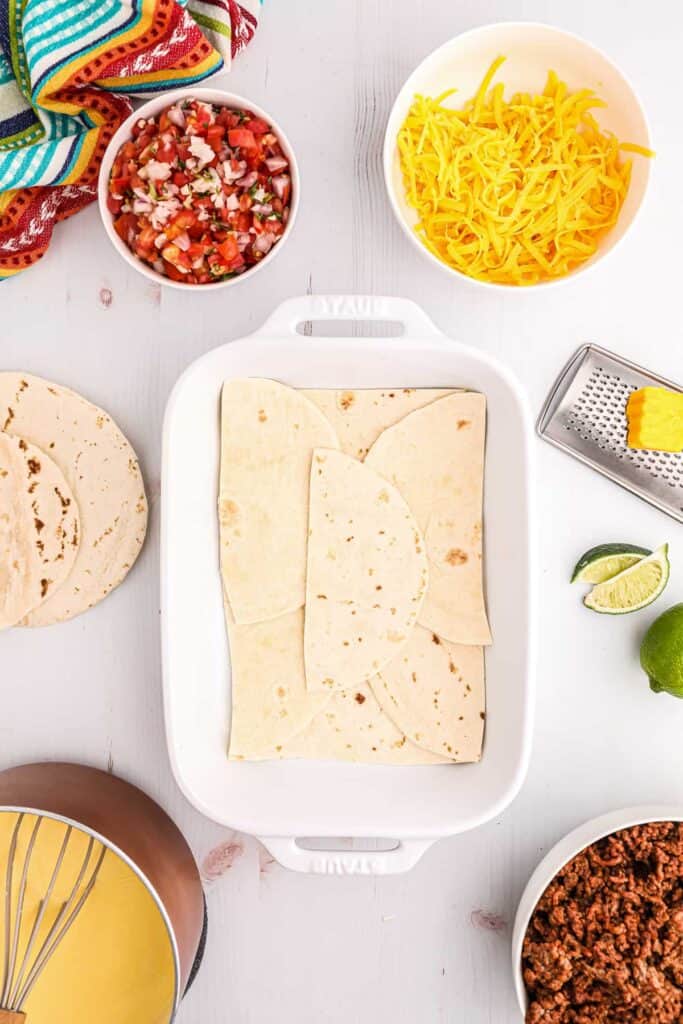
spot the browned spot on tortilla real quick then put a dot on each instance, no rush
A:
(23, 445)
(44, 586)
(348, 539)
(229, 512)
(262, 416)
(383, 496)
(322, 597)
(8, 418)
(413, 676)
(33, 467)
(482, 715)
(281, 692)
(359, 698)
(346, 400)
(456, 556)
(64, 502)
(435, 639)
(463, 423)
(452, 667)
(378, 587)
(38, 523)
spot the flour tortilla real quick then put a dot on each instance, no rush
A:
(435, 458)
(366, 574)
(268, 434)
(268, 679)
(353, 727)
(270, 703)
(102, 471)
(20, 561)
(360, 416)
(434, 692)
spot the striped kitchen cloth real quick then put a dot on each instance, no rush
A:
(67, 68)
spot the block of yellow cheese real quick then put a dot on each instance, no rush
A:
(655, 420)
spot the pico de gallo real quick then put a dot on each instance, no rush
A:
(201, 192)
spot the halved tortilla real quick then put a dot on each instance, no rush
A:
(359, 416)
(268, 434)
(102, 471)
(434, 692)
(435, 458)
(270, 703)
(39, 525)
(353, 727)
(366, 573)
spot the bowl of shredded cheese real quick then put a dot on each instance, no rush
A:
(516, 155)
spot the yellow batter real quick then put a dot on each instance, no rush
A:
(115, 964)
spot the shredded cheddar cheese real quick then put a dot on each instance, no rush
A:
(513, 192)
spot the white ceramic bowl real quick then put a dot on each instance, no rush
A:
(531, 51)
(151, 109)
(561, 854)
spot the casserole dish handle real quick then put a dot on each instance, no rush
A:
(289, 314)
(290, 854)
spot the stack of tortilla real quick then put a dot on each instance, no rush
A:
(351, 557)
(73, 511)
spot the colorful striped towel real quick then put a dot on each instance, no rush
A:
(66, 68)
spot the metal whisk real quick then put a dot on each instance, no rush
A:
(22, 969)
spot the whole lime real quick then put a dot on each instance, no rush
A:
(661, 652)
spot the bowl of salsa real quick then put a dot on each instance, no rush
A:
(198, 189)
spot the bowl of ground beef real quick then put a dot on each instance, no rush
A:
(598, 937)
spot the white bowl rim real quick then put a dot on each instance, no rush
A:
(221, 97)
(561, 853)
(389, 145)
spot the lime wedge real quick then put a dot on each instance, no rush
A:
(633, 588)
(607, 560)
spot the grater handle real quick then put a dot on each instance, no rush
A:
(287, 852)
(12, 1017)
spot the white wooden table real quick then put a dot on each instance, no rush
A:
(431, 946)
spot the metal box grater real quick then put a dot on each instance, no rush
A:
(585, 415)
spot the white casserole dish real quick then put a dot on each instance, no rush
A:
(281, 801)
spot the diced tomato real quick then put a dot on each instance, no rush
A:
(147, 237)
(183, 149)
(113, 204)
(167, 153)
(175, 275)
(139, 127)
(257, 125)
(119, 185)
(229, 249)
(275, 226)
(243, 222)
(137, 182)
(215, 134)
(182, 221)
(128, 151)
(258, 225)
(164, 122)
(180, 178)
(198, 250)
(228, 118)
(125, 226)
(242, 138)
(196, 231)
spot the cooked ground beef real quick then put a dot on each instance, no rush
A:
(605, 943)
